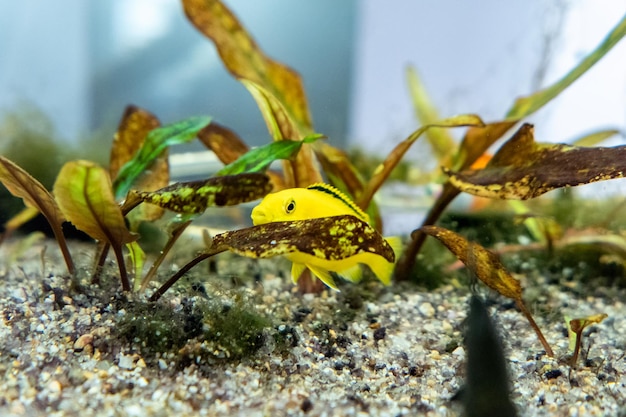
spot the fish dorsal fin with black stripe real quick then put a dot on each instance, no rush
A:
(335, 193)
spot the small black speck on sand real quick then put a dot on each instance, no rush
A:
(61, 353)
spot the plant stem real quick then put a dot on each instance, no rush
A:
(121, 263)
(60, 237)
(520, 304)
(168, 246)
(579, 338)
(97, 269)
(182, 271)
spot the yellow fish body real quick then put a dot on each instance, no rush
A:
(322, 200)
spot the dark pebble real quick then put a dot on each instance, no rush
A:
(380, 333)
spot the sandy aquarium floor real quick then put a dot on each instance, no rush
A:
(371, 350)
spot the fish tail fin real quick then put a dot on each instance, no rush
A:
(354, 274)
(382, 268)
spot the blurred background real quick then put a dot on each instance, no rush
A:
(69, 68)
(77, 64)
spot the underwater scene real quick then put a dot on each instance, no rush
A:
(257, 263)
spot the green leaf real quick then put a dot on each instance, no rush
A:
(259, 159)
(156, 142)
(525, 106)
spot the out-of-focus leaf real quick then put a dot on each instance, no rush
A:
(488, 268)
(137, 258)
(225, 143)
(383, 170)
(542, 229)
(592, 139)
(24, 216)
(276, 88)
(331, 238)
(440, 140)
(84, 194)
(21, 184)
(155, 143)
(259, 159)
(486, 391)
(134, 127)
(194, 197)
(527, 105)
(23, 245)
(524, 169)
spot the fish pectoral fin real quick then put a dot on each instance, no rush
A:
(324, 275)
(354, 274)
(296, 270)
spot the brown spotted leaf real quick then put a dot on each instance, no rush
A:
(488, 268)
(21, 184)
(331, 238)
(135, 125)
(524, 169)
(194, 197)
(485, 264)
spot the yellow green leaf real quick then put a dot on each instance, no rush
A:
(84, 193)
(592, 139)
(21, 184)
(137, 258)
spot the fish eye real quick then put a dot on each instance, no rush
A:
(291, 206)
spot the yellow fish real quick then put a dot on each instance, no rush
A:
(322, 200)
